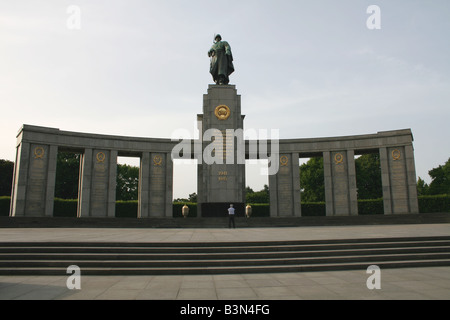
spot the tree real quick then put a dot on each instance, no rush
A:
(312, 180)
(261, 196)
(422, 187)
(440, 183)
(6, 176)
(67, 174)
(193, 197)
(127, 182)
(368, 176)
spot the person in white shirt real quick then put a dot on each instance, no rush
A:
(231, 213)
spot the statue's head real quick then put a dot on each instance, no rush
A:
(218, 37)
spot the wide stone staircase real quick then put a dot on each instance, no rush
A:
(122, 258)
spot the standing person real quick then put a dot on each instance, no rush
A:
(231, 212)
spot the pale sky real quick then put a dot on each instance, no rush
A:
(308, 68)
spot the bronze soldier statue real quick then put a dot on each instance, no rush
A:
(221, 61)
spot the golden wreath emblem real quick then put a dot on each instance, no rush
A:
(222, 112)
(101, 157)
(338, 158)
(157, 160)
(284, 160)
(39, 153)
(396, 154)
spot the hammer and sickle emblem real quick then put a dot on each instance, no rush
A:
(338, 158)
(101, 157)
(157, 160)
(396, 154)
(39, 153)
(284, 160)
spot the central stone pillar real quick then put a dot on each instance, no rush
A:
(221, 170)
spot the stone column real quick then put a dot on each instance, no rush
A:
(340, 183)
(51, 181)
(144, 174)
(284, 188)
(84, 186)
(98, 183)
(398, 178)
(411, 179)
(20, 176)
(34, 180)
(156, 185)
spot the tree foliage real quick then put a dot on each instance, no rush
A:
(440, 183)
(127, 187)
(368, 176)
(67, 174)
(261, 196)
(192, 199)
(6, 177)
(312, 180)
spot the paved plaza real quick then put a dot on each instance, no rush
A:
(407, 283)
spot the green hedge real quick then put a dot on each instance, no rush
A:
(128, 209)
(439, 203)
(260, 210)
(367, 207)
(4, 206)
(65, 208)
(313, 209)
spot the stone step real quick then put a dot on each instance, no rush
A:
(115, 258)
(362, 265)
(218, 262)
(198, 248)
(221, 243)
(215, 256)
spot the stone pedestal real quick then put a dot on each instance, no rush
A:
(221, 170)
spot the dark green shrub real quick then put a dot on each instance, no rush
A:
(260, 210)
(435, 203)
(126, 209)
(313, 209)
(5, 202)
(65, 208)
(372, 206)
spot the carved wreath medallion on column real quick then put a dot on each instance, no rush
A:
(39, 153)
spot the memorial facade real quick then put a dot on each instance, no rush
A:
(219, 183)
